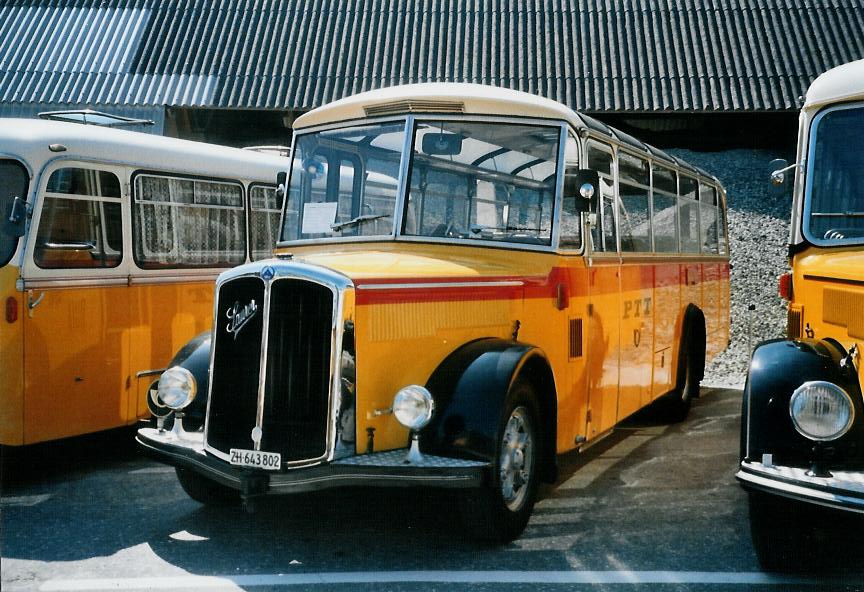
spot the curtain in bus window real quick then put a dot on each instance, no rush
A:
(665, 209)
(264, 210)
(708, 218)
(188, 223)
(633, 189)
(81, 224)
(688, 215)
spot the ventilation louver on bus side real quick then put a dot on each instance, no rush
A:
(397, 107)
(793, 323)
(575, 338)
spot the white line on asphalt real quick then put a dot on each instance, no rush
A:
(440, 577)
(23, 500)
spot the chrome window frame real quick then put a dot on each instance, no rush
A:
(338, 284)
(397, 234)
(808, 179)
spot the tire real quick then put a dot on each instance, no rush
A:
(676, 405)
(498, 512)
(204, 490)
(777, 532)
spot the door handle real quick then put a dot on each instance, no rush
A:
(31, 304)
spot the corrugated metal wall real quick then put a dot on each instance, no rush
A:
(594, 55)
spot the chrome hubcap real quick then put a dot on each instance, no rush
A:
(517, 458)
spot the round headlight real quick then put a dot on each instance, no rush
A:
(821, 410)
(413, 407)
(177, 388)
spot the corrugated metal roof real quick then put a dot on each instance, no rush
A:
(593, 55)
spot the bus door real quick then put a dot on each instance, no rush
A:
(604, 287)
(637, 284)
(76, 308)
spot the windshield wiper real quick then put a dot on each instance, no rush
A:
(357, 220)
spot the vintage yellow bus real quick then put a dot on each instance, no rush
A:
(109, 244)
(469, 280)
(802, 426)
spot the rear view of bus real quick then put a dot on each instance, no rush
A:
(802, 440)
(109, 243)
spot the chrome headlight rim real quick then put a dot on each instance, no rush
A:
(413, 407)
(804, 390)
(177, 388)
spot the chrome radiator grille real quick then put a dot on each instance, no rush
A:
(293, 413)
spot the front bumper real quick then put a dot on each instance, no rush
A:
(844, 490)
(380, 469)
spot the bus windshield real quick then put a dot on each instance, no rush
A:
(483, 180)
(344, 182)
(835, 185)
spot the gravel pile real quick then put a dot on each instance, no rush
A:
(758, 237)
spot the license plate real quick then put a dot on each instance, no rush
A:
(270, 461)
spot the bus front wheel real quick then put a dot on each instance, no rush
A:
(498, 512)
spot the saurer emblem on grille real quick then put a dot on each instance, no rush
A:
(238, 316)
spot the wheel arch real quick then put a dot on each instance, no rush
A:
(693, 341)
(470, 389)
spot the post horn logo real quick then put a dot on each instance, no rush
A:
(239, 316)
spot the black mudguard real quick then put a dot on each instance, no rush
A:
(470, 390)
(195, 357)
(777, 368)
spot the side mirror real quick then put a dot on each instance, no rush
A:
(17, 214)
(281, 181)
(583, 185)
(780, 176)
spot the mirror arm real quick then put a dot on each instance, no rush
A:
(778, 176)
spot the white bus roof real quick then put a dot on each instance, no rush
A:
(476, 99)
(843, 83)
(29, 140)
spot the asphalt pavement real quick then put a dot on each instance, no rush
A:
(651, 507)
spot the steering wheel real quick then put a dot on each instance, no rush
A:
(833, 234)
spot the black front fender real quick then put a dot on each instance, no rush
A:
(195, 357)
(470, 389)
(777, 368)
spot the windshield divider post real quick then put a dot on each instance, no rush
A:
(402, 188)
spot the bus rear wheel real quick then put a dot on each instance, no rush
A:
(498, 512)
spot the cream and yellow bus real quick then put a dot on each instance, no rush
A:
(802, 423)
(469, 280)
(109, 244)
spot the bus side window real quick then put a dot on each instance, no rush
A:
(634, 220)
(571, 213)
(13, 193)
(721, 224)
(188, 222)
(265, 206)
(708, 218)
(688, 214)
(664, 195)
(603, 236)
(81, 224)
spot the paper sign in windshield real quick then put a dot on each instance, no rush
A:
(317, 218)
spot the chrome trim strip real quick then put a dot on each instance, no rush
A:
(262, 360)
(800, 491)
(432, 285)
(173, 279)
(85, 282)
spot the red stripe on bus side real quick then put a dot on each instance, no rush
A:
(575, 281)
